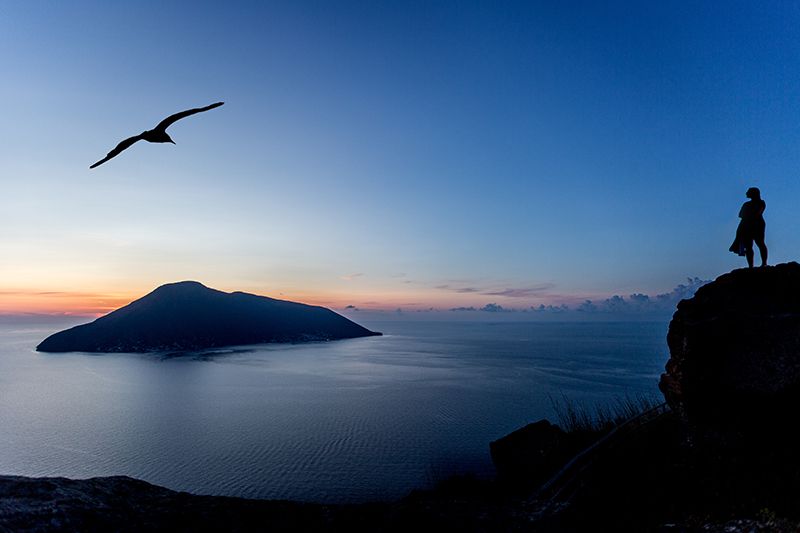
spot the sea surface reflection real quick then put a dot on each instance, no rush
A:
(346, 421)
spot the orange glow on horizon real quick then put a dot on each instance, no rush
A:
(60, 303)
(18, 301)
(98, 304)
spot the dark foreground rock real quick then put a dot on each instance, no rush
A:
(662, 477)
(530, 455)
(189, 316)
(735, 348)
(124, 504)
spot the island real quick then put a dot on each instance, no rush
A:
(188, 316)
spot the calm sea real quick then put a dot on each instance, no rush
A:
(346, 421)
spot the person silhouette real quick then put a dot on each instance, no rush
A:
(751, 228)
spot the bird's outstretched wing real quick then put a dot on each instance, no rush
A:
(167, 122)
(119, 148)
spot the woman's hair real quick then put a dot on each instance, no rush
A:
(753, 193)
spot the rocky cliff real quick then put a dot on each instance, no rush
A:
(735, 347)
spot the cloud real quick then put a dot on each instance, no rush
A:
(461, 290)
(635, 306)
(505, 292)
(494, 308)
(682, 291)
(351, 277)
(523, 292)
(639, 303)
(488, 308)
(65, 294)
(550, 308)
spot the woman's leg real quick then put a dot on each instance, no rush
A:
(762, 249)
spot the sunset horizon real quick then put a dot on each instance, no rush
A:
(442, 297)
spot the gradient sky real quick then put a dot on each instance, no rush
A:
(391, 154)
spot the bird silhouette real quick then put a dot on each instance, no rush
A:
(157, 134)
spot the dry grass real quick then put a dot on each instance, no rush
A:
(574, 416)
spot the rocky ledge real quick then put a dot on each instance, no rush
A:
(124, 504)
(735, 348)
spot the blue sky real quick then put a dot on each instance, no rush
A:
(391, 154)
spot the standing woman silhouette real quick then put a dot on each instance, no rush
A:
(751, 228)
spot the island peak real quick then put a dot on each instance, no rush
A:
(188, 316)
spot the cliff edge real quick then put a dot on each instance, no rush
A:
(735, 348)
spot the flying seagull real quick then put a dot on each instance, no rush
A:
(157, 134)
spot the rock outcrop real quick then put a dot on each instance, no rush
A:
(189, 316)
(735, 348)
(125, 504)
(528, 457)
